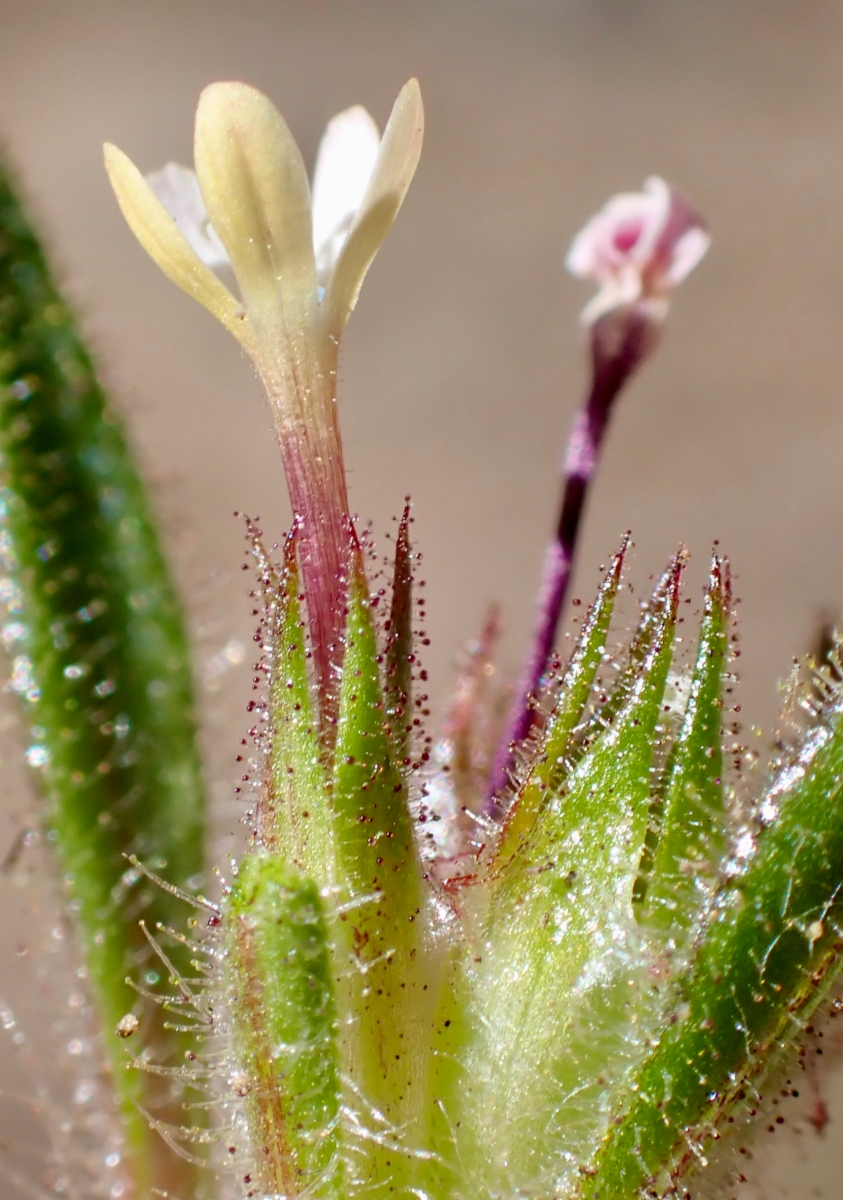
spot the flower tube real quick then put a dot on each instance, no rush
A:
(299, 263)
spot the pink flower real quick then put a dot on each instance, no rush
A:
(638, 248)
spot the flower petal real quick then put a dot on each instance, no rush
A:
(622, 290)
(178, 190)
(164, 242)
(396, 164)
(660, 197)
(682, 242)
(623, 231)
(638, 248)
(255, 187)
(689, 250)
(347, 155)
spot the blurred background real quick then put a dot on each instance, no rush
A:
(462, 364)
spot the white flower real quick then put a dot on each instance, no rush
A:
(638, 248)
(249, 204)
(299, 266)
(344, 165)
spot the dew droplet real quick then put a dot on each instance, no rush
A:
(15, 631)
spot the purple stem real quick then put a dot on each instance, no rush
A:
(615, 355)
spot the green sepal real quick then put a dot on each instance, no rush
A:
(551, 762)
(771, 951)
(283, 1019)
(544, 970)
(100, 660)
(293, 814)
(689, 831)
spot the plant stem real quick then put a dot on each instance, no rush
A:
(311, 451)
(615, 355)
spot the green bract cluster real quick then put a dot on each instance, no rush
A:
(578, 1005)
(568, 991)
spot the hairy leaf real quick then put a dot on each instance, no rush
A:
(766, 960)
(99, 649)
(284, 1027)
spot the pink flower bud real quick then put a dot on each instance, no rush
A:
(638, 248)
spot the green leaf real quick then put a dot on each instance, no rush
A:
(551, 986)
(690, 828)
(766, 960)
(100, 657)
(283, 1017)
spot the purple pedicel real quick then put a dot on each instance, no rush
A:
(619, 343)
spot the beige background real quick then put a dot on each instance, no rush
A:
(462, 364)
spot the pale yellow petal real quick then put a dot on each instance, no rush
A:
(157, 232)
(258, 198)
(396, 164)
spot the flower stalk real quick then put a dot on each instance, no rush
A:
(639, 247)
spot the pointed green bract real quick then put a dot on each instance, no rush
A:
(378, 867)
(765, 961)
(605, 708)
(380, 938)
(100, 660)
(398, 683)
(690, 833)
(373, 829)
(574, 690)
(283, 1017)
(545, 972)
(293, 817)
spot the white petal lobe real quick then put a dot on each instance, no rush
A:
(178, 190)
(347, 155)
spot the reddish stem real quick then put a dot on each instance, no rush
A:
(313, 465)
(616, 352)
